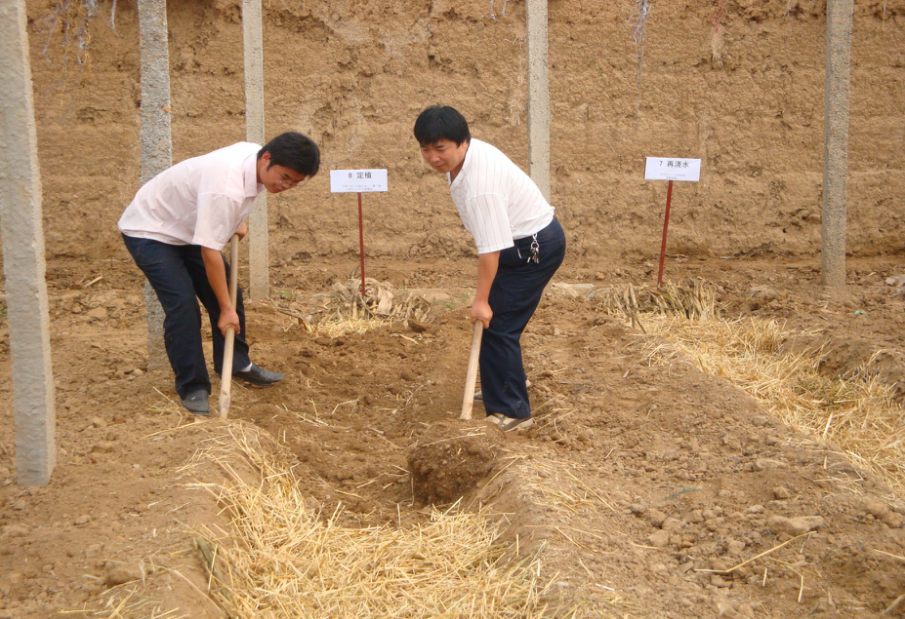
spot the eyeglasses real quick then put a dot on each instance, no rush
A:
(289, 184)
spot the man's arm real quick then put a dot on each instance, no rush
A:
(216, 275)
(487, 267)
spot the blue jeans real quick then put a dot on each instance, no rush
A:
(178, 276)
(514, 295)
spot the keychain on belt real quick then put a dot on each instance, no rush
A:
(534, 252)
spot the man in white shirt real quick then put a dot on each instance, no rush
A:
(176, 228)
(520, 246)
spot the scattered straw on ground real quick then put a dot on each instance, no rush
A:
(286, 560)
(857, 413)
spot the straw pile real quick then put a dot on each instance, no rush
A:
(348, 311)
(857, 413)
(695, 301)
(380, 300)
(286, 561)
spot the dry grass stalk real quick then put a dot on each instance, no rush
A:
(856, 412)
(286, 560)
(897, 557)
(754, 558)
(893, 606)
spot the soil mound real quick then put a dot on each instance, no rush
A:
(451, 458)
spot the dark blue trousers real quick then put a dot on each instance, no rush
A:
(514, 295)
(178, 276)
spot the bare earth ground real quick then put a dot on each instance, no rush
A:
(638, 479)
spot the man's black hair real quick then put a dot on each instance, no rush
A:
(294, 151)
(441, 122)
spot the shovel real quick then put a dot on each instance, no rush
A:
(226, 371)
(472, 375)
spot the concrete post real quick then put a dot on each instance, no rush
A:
(258, 248)
(23, 256)
(835, 145)
(538, 97)
(156, 140)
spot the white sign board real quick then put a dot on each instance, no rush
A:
(357, 181)
(672, 169)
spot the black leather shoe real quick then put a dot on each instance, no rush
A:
(196, 401)
(259, 376)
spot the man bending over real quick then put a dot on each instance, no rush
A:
(176, 228)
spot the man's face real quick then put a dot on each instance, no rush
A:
(444, 156)
(277, 178)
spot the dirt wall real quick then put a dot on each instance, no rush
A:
(739, 84)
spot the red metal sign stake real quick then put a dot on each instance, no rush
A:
(665, 227)
(361, 241)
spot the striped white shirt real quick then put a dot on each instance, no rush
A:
(199, 201)
(497, 201)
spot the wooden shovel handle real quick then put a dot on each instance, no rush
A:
(226, 371)
(472, 375)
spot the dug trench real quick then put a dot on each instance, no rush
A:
(647, 490)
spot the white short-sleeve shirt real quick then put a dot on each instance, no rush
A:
(497, 201)
(199, 201)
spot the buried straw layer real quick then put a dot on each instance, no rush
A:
(857, 412)
(287, 561)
